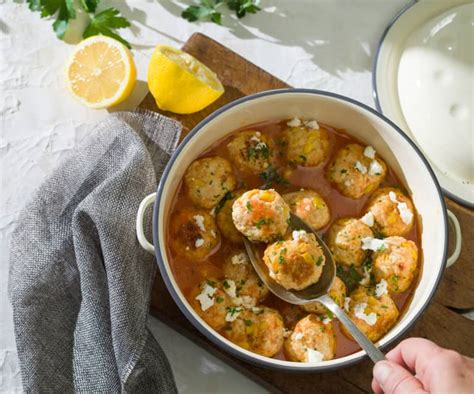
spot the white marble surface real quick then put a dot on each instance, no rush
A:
(323, 44)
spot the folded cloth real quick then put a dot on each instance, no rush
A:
(79, 282)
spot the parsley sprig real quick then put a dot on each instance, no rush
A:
(104, 22)
(209, 9)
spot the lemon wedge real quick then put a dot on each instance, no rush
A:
(101, 72)
(180, 83)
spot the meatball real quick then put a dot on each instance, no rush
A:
(345, 241)
(356, 171)
(373, 315)
(296, 263)
(392, 212)
(337, 292)
(309, 206)
(396, 263)
(261, 215)
(225, 222)
(208, 180)
(305, 146)
(211, 302)
(238, 268)
(193, 233)
(251, 151)
(311, 341)
(259, 330)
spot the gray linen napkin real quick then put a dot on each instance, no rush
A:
(79, 282)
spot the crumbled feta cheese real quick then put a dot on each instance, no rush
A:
(327, 319)
(213, 233)
(199, 242)
(299, 235)
(298, 336)
(360, 167)
(375, 168)
(255, 139)
(256, 309)
(212, 212)
(314, 356)
(286, 332)
(199, 219)
(206, 298)
(369, 152)
(368, 219)
(295, 122)
(258, 134)
(312, 124)
(405, 213)
(359, 312)
(393, 197)
(381, 288)
(230, 288)
(246, 301)
(232, 314)
(240, 258)
(347, 304)
(369, 243)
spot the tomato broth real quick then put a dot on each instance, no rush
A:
(189, 274)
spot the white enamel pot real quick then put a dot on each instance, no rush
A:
(366, 125)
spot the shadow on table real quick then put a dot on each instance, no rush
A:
(317, 27)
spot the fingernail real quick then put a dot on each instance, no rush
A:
(381, 371)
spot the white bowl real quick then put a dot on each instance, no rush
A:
(423, 81)
(363, 123)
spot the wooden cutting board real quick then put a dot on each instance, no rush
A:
(440, 322)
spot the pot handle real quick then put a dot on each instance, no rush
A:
(457, 238)
(146, 202)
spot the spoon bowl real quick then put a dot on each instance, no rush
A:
(316, 292)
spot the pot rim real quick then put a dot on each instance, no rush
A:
(217, 339)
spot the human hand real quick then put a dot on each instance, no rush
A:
(418, 366)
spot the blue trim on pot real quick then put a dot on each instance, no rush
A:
(375, 96)
(159, 247)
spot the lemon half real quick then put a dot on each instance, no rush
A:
(180, 83)
(101, 72)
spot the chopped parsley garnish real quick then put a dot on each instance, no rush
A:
(248, 323)
(251, 153)
(343, 171)
(211, 283)
(378, 235)
(226, 285)
(249, 206)
(367, 264)
(319, 261)
(262, 222)
(351, 277)
(219, 300)
(303, 158)
(270, 176)
(221, 203)
(233, 310)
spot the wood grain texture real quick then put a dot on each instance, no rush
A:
(438, 323)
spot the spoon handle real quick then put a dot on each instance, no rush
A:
(364, 342)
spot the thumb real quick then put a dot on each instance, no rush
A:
(394, 379)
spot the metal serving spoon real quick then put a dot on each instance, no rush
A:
(316, 292)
